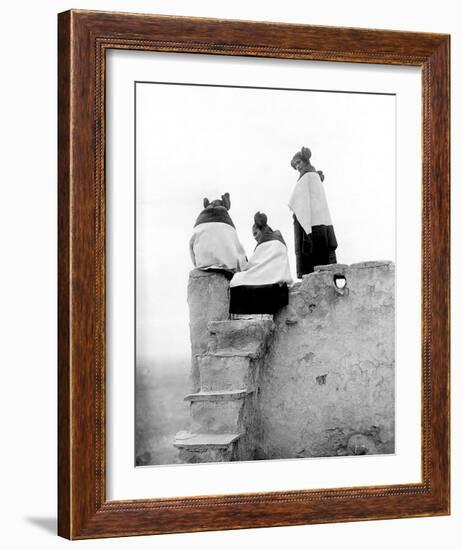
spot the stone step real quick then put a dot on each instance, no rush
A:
(218, 395)
(225, 372)
(219, 412)
(254, 348)
(240, 334)
(197, 442)
(230, 352)
(237, 325)
(203, 448)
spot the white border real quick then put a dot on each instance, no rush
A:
(124, 481)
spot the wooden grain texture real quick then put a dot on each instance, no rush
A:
(83, 40)
(64, 410)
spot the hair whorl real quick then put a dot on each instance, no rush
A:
(306, 153)
(260, 220)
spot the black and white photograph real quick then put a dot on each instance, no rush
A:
(265, 273)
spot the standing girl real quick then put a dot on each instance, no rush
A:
(315, 241)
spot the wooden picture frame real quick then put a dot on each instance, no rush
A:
(84, 38)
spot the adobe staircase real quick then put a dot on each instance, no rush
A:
(223, 424)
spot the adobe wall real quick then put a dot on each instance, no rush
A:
(326, 382)
(208, 300)
(327, 388)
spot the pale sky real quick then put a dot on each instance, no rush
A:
(195, 142)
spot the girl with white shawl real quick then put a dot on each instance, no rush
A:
(262, 286)
(214, 244)
(315, 240)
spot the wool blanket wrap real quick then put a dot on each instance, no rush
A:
(258, 299)
(215, 244)
(268, 265)
(315, 240)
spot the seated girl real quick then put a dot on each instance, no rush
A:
(262, 287)
(214, 245)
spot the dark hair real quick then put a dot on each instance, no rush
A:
(224, 201)
(304, 154)
(260, 220)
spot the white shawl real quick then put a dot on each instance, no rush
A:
(308, 202)
(215, 245)
(268, 265)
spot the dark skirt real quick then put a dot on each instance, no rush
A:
(258, 299)
(317, 248)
